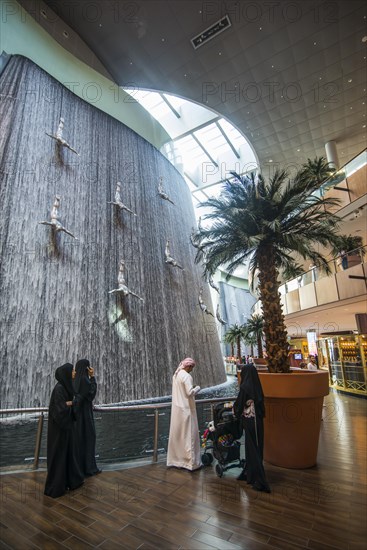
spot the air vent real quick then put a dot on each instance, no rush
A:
(211, 32)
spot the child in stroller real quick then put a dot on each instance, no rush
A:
(221, 437)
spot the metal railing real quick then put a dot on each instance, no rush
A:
(156, 407)
(346, 171)
(316, 273)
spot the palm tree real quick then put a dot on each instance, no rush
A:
(249, 339)
(233, 336)
(230, 338)
(348, 243)
(255, 327)
(318, 170)
(273, 225)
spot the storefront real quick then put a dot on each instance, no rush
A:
(345, 356)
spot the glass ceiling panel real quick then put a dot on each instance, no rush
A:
(200, 196)
(233, 135)
(175, 101)
(188, 146)
(153, 103)
(213, 140)
(187, 150)
(214, 190)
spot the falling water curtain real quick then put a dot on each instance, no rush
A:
(54, 299)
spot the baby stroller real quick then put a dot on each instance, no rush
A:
(221, 437)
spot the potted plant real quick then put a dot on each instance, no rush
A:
(349, 250)
(273, 225)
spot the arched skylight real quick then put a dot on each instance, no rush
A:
(204, 147)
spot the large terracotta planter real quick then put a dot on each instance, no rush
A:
(293, 404)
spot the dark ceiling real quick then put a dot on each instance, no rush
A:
(291, 75)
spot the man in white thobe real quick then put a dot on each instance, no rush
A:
(312, 363)
(184, 440)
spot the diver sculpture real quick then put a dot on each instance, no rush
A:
(203, 307)
(118, 202)
(59, 139)
(122, 288)
(169, 259)
(212, 284)
(162, 193)
(222, 321)
(55, 223)
(194, 243)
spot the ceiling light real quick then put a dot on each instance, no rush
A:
(163, 39)
(44, 14)
(350, 80)
(363, 126)
(65, 34)
(260, 28)
(364, 39)
(298, 150)
(270, 160)
(315, 43)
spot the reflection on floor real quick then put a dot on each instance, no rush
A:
(151, 507)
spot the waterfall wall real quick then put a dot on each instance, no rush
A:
(235, 306)
(54, 300)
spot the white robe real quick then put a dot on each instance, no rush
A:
(184, 440)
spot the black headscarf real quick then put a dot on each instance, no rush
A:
(81, 370)
(64, 376)
(251, 389)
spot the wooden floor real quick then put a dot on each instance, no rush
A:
(152, 507)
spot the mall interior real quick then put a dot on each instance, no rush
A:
(117, 120)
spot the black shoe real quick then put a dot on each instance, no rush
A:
(93, 473)
(259, 487)
(242, 476)
(76, 487)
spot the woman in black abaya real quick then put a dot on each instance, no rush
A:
(85, 388)
(63, 471)
(250, 405)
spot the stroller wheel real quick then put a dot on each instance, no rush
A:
(207, 459)
(219, 470)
